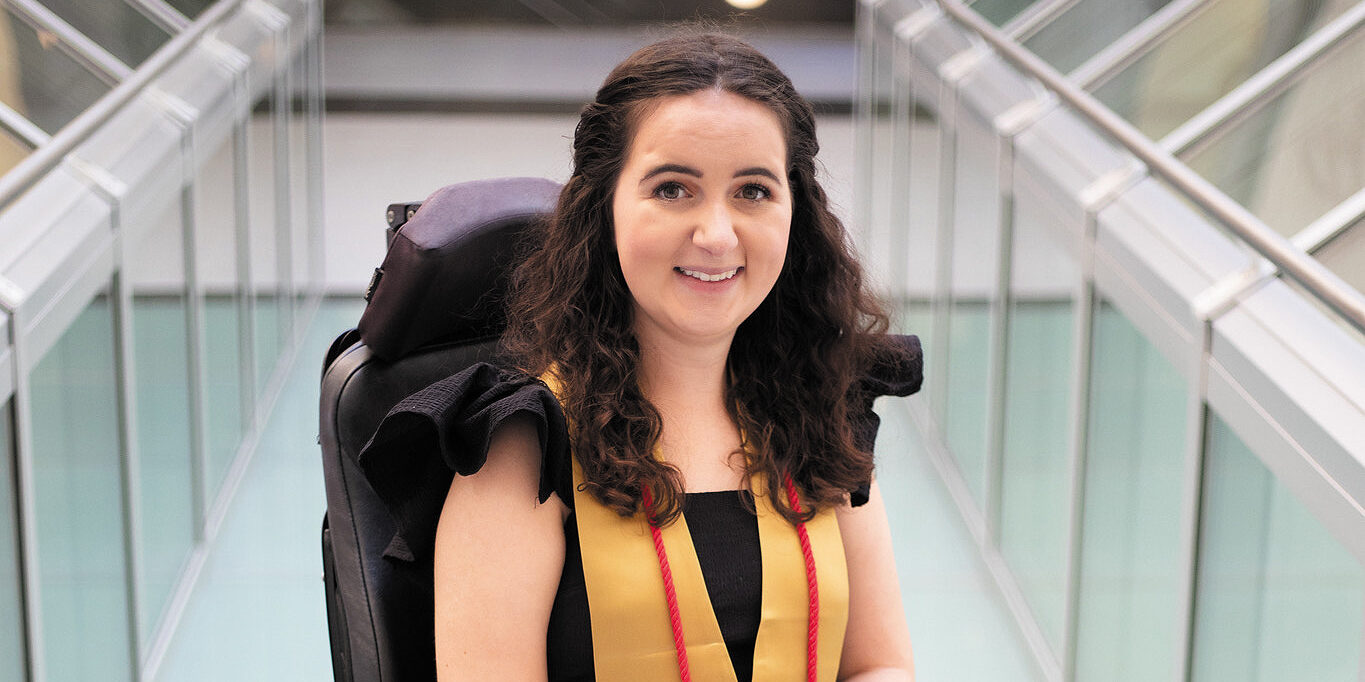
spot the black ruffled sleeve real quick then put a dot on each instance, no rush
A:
(445, 429)
(899, 372)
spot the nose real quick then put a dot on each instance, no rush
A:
(715, 231)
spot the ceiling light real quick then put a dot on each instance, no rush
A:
(746, 4)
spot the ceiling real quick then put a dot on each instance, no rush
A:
(571, 13)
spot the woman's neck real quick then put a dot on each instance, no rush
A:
(675, 373)
(686, 383)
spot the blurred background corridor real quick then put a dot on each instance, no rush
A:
(1131, 234)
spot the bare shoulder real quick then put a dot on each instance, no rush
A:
(498, 551)
(877, 642)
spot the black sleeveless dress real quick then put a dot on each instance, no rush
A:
(446, 428)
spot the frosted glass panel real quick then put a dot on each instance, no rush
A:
(1131, 571)
(975, 246)
(1035, 499)
(225, 340)
(999, 12)
(11, 589)
(12, 151)
(1278, 597)
(269, 238)
(43, 83)
(1222, 45)
(1086, 27)
(156, 269)
(1300, 154)
(76, 466)
(118, 28)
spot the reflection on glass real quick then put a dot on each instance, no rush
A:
(1300, 154)
(880, 147)
(1278, 597)
(190, 8)
(1345, 255)
(975, 245)
(1131, 572)
(76, 465)
(922, 222)
(11, 589)
(301, 245)
(121, 30)
(40, 80)
(999, 12)
(1087, 27)
(215, 216)
(268, 227)
(1035, 499)
(166, 515)
(965, 423)
(12, 151)
(1223, 44)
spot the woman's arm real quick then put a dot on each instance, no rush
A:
(499, 555)
(877, 642)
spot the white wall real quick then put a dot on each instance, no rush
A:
(373, 160)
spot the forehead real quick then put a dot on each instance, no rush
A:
(707, 123)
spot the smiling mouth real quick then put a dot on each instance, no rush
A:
(705, 277)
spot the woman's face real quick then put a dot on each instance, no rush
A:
(702, 214)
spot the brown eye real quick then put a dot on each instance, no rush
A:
(670, 191)
(754, 192)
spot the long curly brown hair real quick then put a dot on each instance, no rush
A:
(794, 364)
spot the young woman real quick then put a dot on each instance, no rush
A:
(678, 479)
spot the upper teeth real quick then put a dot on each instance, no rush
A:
(709, 278)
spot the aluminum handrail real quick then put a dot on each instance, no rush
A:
(106, 66)
(1293, 262)
(46, 157)
(1266, 84)
(21, 128)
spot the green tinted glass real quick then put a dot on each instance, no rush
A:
(1131, 570)
(1278, 597)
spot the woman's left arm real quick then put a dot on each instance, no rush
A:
(877, 642)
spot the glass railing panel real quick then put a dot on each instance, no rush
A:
(1087, 27)
(999, 12)
(1345, 255)
(875, 234)
(1278, 598)
(121, 30)
(11, 586)
(44, 84)
(190, 8)
(1132, 575)
(1217, 49)
(922, 210)
(1299, 154)
(226, 376)
(921, 225)
(269, 225)
(79, 507)
(302, 245)
(156, 270)
(975, 244)
(12, 151)
(1035, 504)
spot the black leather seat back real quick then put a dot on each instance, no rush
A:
(380, 609)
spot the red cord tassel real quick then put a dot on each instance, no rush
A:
(670, 594)
(812, 589)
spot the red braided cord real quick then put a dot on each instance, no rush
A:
(812, 587)
(674, 615)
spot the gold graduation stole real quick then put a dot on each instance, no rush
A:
(632, 638)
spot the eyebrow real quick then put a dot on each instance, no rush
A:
(688, 170)
(671, 168)
(760, 171)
